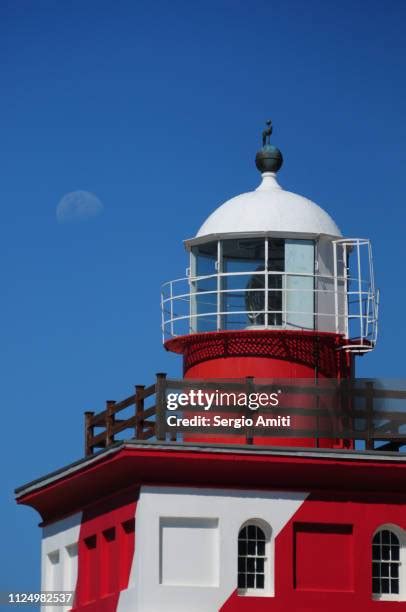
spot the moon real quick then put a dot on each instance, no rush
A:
(78, 206)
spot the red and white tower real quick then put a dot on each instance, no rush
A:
(204, 520)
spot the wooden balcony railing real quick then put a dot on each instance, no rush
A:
(362, 410)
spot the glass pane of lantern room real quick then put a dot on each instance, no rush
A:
(242, 299)
(276, 263)
(203, 305)
(299, 268)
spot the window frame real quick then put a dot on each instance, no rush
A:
(401, 535)
(269, 560)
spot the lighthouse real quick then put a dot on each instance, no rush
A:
(185, 500)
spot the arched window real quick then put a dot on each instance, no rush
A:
(252, 558)
(386, 564)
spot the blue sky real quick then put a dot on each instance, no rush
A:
(157, 109)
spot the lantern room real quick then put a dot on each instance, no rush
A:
(270, 259)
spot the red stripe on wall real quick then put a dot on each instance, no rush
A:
(323, 557)
(106, 550)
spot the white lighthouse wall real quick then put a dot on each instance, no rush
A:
(59, 557)
(186, 545)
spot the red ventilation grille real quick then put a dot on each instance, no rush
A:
(308, 348)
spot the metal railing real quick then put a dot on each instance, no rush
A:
(268, 299)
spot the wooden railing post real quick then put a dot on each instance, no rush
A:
(139, 411)
(160, 391)
(109, 422)
(348, 422)
(317, 397)
(369, 401)
(88, 433)
(249, 389)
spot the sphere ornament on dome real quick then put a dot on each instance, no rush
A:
(269, 158)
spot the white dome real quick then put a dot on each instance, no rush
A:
(269, 209)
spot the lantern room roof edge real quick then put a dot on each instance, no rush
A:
(196, 240)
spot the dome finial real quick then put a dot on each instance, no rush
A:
(269, 158)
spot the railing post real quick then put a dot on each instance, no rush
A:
(109, 422)
(316, 393)
(266, 283)
(171, 309)
(139, 411)
(369, 401)
(249, 386)
(316, 362)
(346, 299)
(163, 326)
(335, 246)
(344, 410)
(219, 285)
(88, 433)
(160, 391)
(347, 409)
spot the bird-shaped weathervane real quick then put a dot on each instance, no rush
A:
(266, 134)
